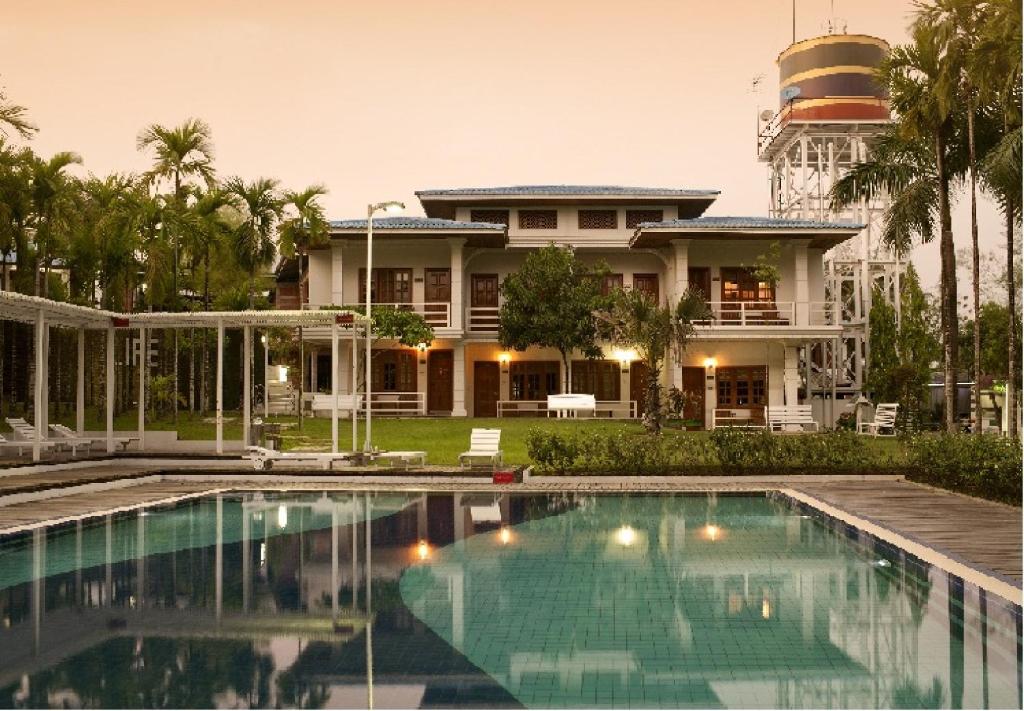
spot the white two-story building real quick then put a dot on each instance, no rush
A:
(449, 267)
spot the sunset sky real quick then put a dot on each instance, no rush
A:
(379, 98)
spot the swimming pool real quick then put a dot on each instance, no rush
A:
(262, 599)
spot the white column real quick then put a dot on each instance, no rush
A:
(458, 379)
(805, 207)
(681, 252)
(801, 293)
(337, 273)
(220, 387)
(312, 354)
(791, 376)
(710, 394)
(143, 365)
(455, 245)
(80, 385)
(355, 389)
(246, 384)
(40, 392)
(335, 389)
(110, 389)
(44, 425)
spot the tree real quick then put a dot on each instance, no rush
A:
(15, 118)
(637, 322)
(253, 242)
(993, 325)
(53, 193)
(550, 302)
(306, 228)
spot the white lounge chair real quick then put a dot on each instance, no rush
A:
(483, 445)
(23, 431)
(21, 445)
(64, 436)
(63, 432)
(405, 457)
(782, 416)
(885, 419)
(264, 458)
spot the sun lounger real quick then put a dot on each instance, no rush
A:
(21, 445)
(405, 458)
(483, 445)
(885, 419)
(63, 431)
(264, 458)
(24, 433)
(64, 436)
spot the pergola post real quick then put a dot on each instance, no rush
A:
(143, 367)
(246, 383)
(80, 385)
(110, 389)
(40, 391)
(355, 389)
(220, 387)
(335, 390)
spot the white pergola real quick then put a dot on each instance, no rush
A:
(44, 313)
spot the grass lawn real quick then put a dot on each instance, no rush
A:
(442, 438)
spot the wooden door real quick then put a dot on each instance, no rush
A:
(648, 284)
(693, 389)
(486, 388)
(484, 290)
(638, 385)
(700, 278)
(440, 366)
(437, 293)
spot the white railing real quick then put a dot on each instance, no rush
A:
(824, 313)
(482, 319)
(614, 409)
(437, 314)
(773, 313)
(384, 403)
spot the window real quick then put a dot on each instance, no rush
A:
(600, 378)
(538, 219)
(610, 283)
(389, 286)
(647, 284)
(635, 217)
(598, 219)
(393, 370)
(534, 379)
(495, 217)
(744, 386)
(483, 290)
(740, 284)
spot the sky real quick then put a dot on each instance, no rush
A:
(377, 99)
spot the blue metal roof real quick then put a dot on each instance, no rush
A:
(414, 223)
(568, 190)
(749, 223)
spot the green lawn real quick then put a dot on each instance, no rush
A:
(442, 438)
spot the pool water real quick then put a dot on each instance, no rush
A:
(352, 599)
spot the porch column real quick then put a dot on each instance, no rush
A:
(710, 392)
(801, 294)
(337, 273)
(220, 386)
(681, 252)
(80, 385)
(143, 366)
(110, 389)
(455, 245)
(38, 405)
(459, 377)
(355, 389)
(335, 389)
(791, 375)
(808, 395)
(312, 352)
(246, 384)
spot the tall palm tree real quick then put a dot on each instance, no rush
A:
(53, 190)
(306, 228)
(253, 240)
(14, 118)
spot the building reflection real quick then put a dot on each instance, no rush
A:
(270, 599)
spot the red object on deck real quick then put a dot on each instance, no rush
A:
(119, 322)
(503, 477)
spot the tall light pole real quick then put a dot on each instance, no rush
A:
(391, 207)
(266, 378)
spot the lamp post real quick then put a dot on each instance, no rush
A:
(266, 378)
(391, 207)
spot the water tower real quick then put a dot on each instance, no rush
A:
(830, 109)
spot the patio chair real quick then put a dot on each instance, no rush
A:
(23, 431)
(885, 419)
(64, 436)
(65, 433)
(263, 458)
(483, 445)
(21, 445)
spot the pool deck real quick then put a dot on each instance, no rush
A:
(984, 535)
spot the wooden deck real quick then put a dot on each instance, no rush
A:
(16, 483)
(983, 534)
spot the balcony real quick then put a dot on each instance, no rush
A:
(776, 313)
(436, 314)
(482, 319)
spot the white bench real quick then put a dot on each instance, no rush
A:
(483, 444)
(264, 458)
(572, 404)
(885, 419)
(322, 403)
(782, 416)
(745, 417)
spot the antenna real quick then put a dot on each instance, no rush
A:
(794, 21)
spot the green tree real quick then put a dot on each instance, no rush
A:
(637, 322)
(53, 202)
(550, 302)
(14, 118)
(252, 239)
(994, 320)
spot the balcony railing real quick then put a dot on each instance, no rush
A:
(436, 314)
(482, 319)
(774, 313)
(615, 409)
(384, 403)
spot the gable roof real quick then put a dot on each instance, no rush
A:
(479, 234)
(569, 191)
(822, 234)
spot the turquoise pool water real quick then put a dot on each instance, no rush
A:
(345, 599)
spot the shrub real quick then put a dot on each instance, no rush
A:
(633, 453)
(982, 465)
(744, 450)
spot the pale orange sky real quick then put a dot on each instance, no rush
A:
(379, 98)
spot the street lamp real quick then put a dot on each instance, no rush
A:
(391, 207)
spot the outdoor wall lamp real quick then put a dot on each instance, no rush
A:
(503, 360)
(709, 362)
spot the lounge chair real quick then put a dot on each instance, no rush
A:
(264, 458)
(483, 445)
(885, 419)
(63, 432)
(21, 445)
(24, 432)
(64, 436)
(406, 457)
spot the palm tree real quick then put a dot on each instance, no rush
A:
(52, 193)
(636, 321)
(14, 118)
(306, 228)
(253, 240)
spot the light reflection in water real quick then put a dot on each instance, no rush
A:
(123, 610)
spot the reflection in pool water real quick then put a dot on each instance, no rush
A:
(479, 600)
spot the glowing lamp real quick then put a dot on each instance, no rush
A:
(709, 362)
(423, 550)
(504, 358)
(422, 347)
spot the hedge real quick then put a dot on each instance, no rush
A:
(981, 465)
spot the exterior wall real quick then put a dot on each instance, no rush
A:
(387, 252)
(568, 230)
(320, 275)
